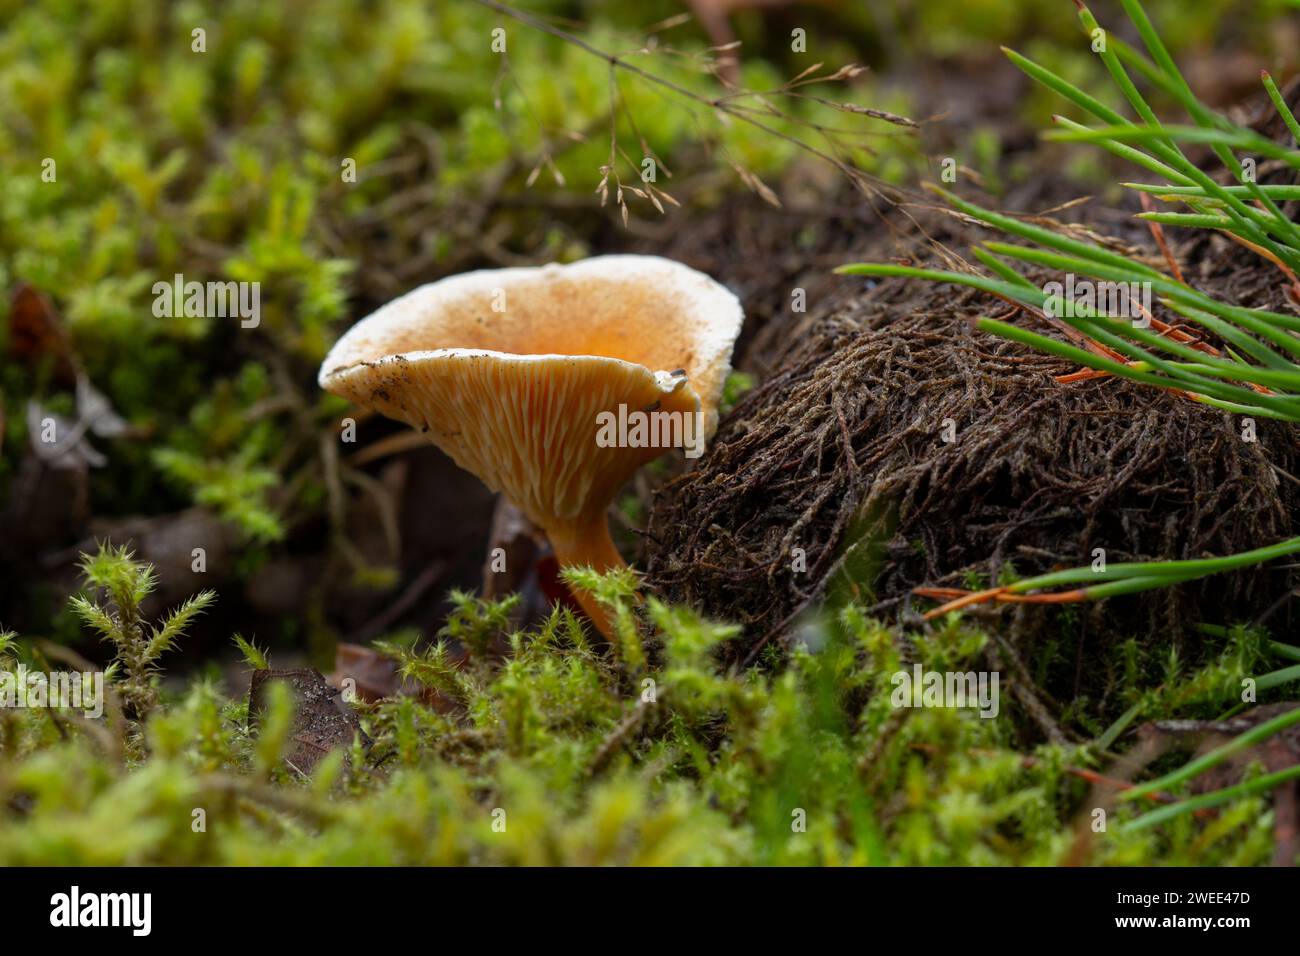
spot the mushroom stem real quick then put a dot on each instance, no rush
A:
(588, 543)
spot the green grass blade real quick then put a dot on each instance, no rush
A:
(1004, 271)
(1213, 799)
(1278, 677)
(1289, 651)
(1126, 132)
(1134, 585)
(1247, 220)
(1019, 292)
(1064, 87)
(1129, 154)
(1112, 732)
(1187, 219)
(1186, 570)
(1120, 75)
(1180, 192)
(1175, 377)
(1283, 110)
(1216, 756)
(1083, 357)
(1262, 323)
(1042, 236)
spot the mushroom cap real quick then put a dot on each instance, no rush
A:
(514, 395)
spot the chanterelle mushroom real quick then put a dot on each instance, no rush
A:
(552, 384)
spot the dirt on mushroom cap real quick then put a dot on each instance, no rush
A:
(844, 443)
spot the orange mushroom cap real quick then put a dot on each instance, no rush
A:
(522, 376)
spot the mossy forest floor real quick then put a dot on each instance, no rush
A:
(336, 681)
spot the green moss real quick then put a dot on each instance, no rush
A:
(556, 752)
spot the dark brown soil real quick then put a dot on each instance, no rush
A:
(322, 721)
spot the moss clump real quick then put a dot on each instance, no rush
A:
(934, 455)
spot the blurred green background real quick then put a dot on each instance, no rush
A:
(226, 163)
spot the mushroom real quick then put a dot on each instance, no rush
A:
(551, 384)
